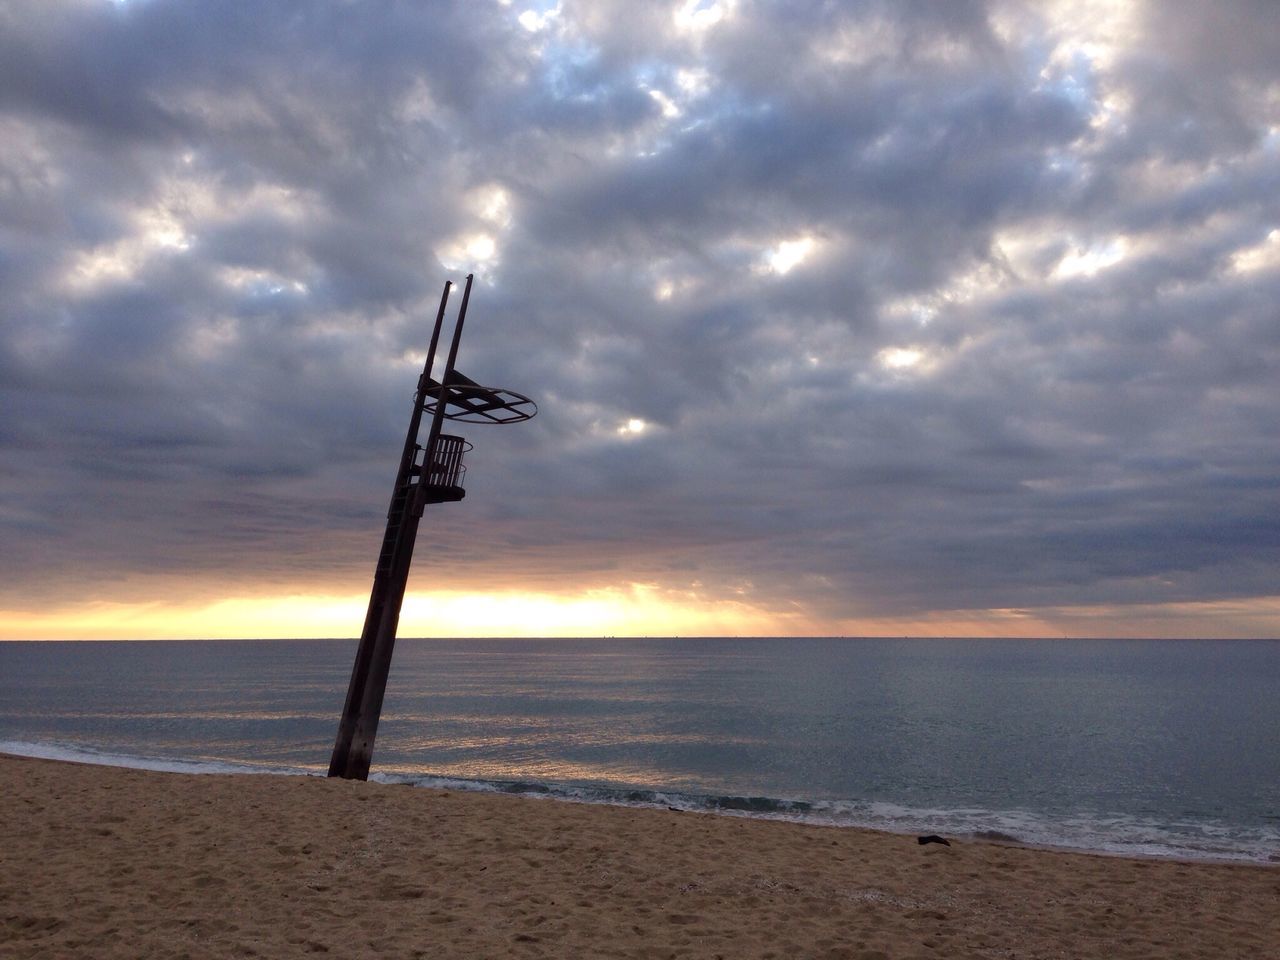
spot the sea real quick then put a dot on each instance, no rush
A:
(1157, 748)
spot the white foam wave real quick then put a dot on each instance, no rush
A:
(78, 753)
(1099, 833)
(1088, 832)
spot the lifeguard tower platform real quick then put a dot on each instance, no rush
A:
(430, 472)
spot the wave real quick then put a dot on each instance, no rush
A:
(1083, 831)
(1093, 832)
(79, 753)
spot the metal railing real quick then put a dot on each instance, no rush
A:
(447, 469)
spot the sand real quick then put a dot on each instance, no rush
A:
(107, 862)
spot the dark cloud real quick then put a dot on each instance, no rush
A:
(858, 310)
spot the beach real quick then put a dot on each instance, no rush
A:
(108, 862)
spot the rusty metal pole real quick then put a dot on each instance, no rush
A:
(368, 708)
(400, 510)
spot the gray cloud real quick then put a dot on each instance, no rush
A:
(924, 307)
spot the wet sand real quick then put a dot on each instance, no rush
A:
(108, 862)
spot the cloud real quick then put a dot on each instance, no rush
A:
(923, 307)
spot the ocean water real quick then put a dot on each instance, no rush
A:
(1158, 748)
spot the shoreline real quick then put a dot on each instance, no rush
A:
(115, 861)
(801, 812)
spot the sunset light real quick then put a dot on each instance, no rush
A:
(918, 322)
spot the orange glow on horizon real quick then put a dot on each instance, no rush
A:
(634, 610)
(630, 610)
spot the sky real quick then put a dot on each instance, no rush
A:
(867, 318)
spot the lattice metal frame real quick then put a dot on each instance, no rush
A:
(468, 402)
